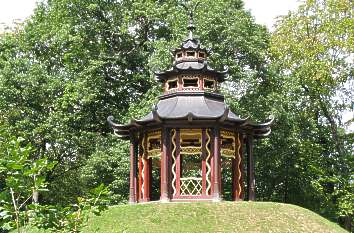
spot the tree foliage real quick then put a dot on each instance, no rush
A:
(21, 178)
(312, 50)
(75, 62)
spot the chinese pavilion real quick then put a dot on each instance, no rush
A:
(190, 135)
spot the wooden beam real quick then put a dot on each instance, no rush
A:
(251, 182)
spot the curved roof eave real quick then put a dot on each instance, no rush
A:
(191, 66)
(262, 135)
(264, 125)
(116, 126)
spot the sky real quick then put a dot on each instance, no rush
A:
(11, 10)
(264, 11)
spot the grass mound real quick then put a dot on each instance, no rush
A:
(210, 217)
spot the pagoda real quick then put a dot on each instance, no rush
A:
(190, 136)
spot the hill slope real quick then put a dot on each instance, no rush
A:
(210, 217)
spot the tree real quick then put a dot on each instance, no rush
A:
(76, 62)
(313, 49)
(21, 178)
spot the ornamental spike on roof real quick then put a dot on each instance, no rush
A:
(191, 26)
(191, 57)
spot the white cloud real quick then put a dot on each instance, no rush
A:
(15, 10)
(265, 11)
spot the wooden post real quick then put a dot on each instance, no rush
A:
(164, 166)
(150, 177)
(234, 179)
(140, 189)
(251, 182)
(216, 170)
(132, 180)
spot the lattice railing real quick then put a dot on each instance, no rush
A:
(191, 186)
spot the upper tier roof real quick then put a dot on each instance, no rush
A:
(191, 64)
(197, 66)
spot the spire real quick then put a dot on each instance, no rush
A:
(190, 26)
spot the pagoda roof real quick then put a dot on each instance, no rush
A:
(190, 43)
(198, 66)
(190, 107)
(184, 105)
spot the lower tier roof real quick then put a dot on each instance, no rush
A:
(192, 108)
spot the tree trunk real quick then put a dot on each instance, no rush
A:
(35, 196)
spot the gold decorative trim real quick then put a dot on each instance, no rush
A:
(228, 151)
(191, 131)
(208, 162)
(209, 79)
(155, 152)
(191, 150)
(143, 168)
(190, 134)
(190, 77)
(238, 165)
(168, 85)
(174, 161)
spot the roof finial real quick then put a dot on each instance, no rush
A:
(190, 12)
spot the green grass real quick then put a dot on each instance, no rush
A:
(210, 217)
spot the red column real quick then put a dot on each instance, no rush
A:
(140, 179)
(216, 170)
(164, 166)
(150, 176)
(132, 180)
(251, 182)
(146, 175)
